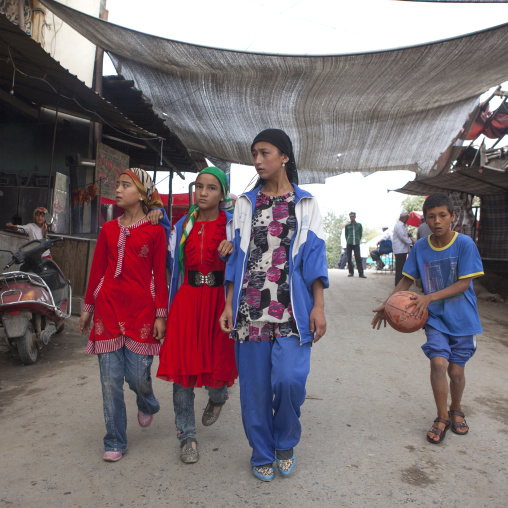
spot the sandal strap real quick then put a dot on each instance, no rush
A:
(188, 441)
(442, 420)
(456, 413)
(457, 425)
(215, 404)
(438, 432)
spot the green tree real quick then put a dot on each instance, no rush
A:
(333, 229)
(412, 204)
(370, 232)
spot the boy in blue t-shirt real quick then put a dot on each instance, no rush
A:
(446, 262)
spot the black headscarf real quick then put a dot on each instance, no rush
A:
(281, 140)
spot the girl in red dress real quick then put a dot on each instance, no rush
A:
(127, 296)
(196, 352)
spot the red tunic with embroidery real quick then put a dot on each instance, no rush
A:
(127, 288)
(196, 352)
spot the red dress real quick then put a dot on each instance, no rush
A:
(127, 288)
(196, 352)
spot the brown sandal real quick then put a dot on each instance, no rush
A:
(439, 433)
(458, 425)
(209, 416)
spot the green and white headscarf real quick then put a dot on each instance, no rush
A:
(188, 224)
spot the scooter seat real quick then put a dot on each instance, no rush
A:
(51, 275)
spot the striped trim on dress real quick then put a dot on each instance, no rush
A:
(98, 288)
(122, 239)
(108, 346)
(152, 288)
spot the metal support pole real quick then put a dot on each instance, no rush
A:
(49, 201)
(170, 197)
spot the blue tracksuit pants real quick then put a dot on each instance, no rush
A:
(272, 377)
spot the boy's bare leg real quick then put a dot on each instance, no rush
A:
(457, 385)
(439, 383)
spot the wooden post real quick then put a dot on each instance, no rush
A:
(21, 14)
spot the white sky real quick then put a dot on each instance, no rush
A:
(311, 27)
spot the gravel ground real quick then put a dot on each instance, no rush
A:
(368, 407)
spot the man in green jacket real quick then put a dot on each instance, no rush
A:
(354, 233)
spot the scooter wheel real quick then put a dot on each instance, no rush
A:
(27, 349)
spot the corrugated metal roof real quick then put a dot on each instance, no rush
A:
(475, 181)
(139, 108)
(39, 79)
(125, 114)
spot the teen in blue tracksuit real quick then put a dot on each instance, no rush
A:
(275, 308)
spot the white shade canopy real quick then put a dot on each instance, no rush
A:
(386, 110)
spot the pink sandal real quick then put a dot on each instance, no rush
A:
(144, 420)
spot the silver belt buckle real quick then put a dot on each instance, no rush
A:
(200, 279)
(210, 279)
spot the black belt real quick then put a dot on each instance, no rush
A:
(212, 279)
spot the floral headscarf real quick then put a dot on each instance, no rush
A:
(146, 187)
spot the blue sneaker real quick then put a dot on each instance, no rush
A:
(264, 473)
(286, 466)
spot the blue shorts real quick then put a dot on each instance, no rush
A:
(454, 348)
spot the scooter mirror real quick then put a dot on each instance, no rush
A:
(49, 219)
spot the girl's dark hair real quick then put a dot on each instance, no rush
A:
(435, 200)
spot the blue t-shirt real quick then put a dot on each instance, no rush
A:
(440, 268)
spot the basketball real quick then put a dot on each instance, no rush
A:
(399, 317)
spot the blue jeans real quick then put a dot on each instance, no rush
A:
(183, 403)
(272, 378)
(135, 369)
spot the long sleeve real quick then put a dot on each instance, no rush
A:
(314, 263)
(159, 257)
(164, 222)
(405, 238)
(99, 265)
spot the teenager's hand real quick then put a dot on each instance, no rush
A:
(159, 328)
(226, 319)
(225, 248)
(317, 322)
(84, 322)
(154, 216)
(419, 305)
(379, 317)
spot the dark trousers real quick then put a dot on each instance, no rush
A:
(375, 256)
(400, 260)
(356, 249)
(342, 260)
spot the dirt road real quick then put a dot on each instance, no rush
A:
(368, 408)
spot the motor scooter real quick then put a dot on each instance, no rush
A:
(34, 301)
